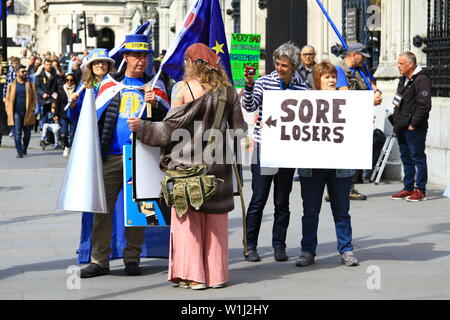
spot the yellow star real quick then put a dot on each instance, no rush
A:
(218, 48)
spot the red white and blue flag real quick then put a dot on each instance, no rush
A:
(110, 87)
(202, 24)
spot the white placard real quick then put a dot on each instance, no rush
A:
(317, 129)
(147, 175)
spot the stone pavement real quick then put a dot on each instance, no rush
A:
(406, 244)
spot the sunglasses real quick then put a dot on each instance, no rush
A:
(69, 79)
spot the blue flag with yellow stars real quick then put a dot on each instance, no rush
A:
(202, 24)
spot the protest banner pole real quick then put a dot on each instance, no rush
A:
(81, 88)
(341, 38)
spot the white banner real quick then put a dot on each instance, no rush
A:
(317, 129)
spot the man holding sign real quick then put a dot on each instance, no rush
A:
(284, 77)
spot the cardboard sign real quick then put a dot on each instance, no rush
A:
(245, 51)
(317, 129)
(140, 213)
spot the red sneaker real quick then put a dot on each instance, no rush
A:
(417, 196)
(402, 195)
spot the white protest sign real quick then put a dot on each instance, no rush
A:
(317, 129)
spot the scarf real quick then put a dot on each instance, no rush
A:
(69, 89)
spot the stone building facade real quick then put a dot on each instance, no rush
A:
(113, 19)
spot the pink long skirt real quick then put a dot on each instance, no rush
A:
(199, 248)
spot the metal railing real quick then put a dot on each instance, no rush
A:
(438, 46)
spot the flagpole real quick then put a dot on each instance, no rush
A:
(81, 88)
(341, 38)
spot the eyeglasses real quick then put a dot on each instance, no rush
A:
(308, 54)
(96, 63)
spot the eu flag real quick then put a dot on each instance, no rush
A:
(202, 24)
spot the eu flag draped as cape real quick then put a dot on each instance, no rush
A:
(203, 24)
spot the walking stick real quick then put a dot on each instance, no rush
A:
(244, 223)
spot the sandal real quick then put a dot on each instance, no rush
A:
(197, 285)
(185, 284)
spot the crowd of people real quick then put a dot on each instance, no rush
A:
(198, 257)
(48, 85)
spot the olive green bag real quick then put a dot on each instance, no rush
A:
(191, 187)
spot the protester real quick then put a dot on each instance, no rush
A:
(199, 238)
(32, 69)
(114, 134)
(338, 182)
(286, 59)
(67, 89)
(84, 60)
(349, 78)
(59, 73)
(97, 67)
(11, 74)
(46, 88)
(76, 71)
(410, 120)
(20, 103)
(307, 56)
(73, 59)
(51, 122)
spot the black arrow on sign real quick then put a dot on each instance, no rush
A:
(271, 123)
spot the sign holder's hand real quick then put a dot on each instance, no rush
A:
(133, 123)
(249, 80)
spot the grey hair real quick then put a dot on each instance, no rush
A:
(290, 51)
(308, 47)
(410, 57)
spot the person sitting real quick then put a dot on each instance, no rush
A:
(51, 121)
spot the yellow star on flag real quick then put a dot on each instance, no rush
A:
(218, 48)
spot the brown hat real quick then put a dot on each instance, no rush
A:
(200, 51)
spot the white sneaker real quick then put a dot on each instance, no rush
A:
(66, 152)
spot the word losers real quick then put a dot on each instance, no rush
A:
(322, 121)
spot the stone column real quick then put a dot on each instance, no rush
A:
(164, 24)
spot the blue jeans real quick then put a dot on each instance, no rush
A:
(65, 129)
(21, 146)
(412, 153)
(261, 185)
(312, 189)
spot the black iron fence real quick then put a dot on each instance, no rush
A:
(438, 46)
(355, 16)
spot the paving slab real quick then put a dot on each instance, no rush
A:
(408, 244)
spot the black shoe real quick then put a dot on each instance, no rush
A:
(19, 155)
(252, 256)
(280, 254)
(94, 270)
(24, 152)
(133, 269)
